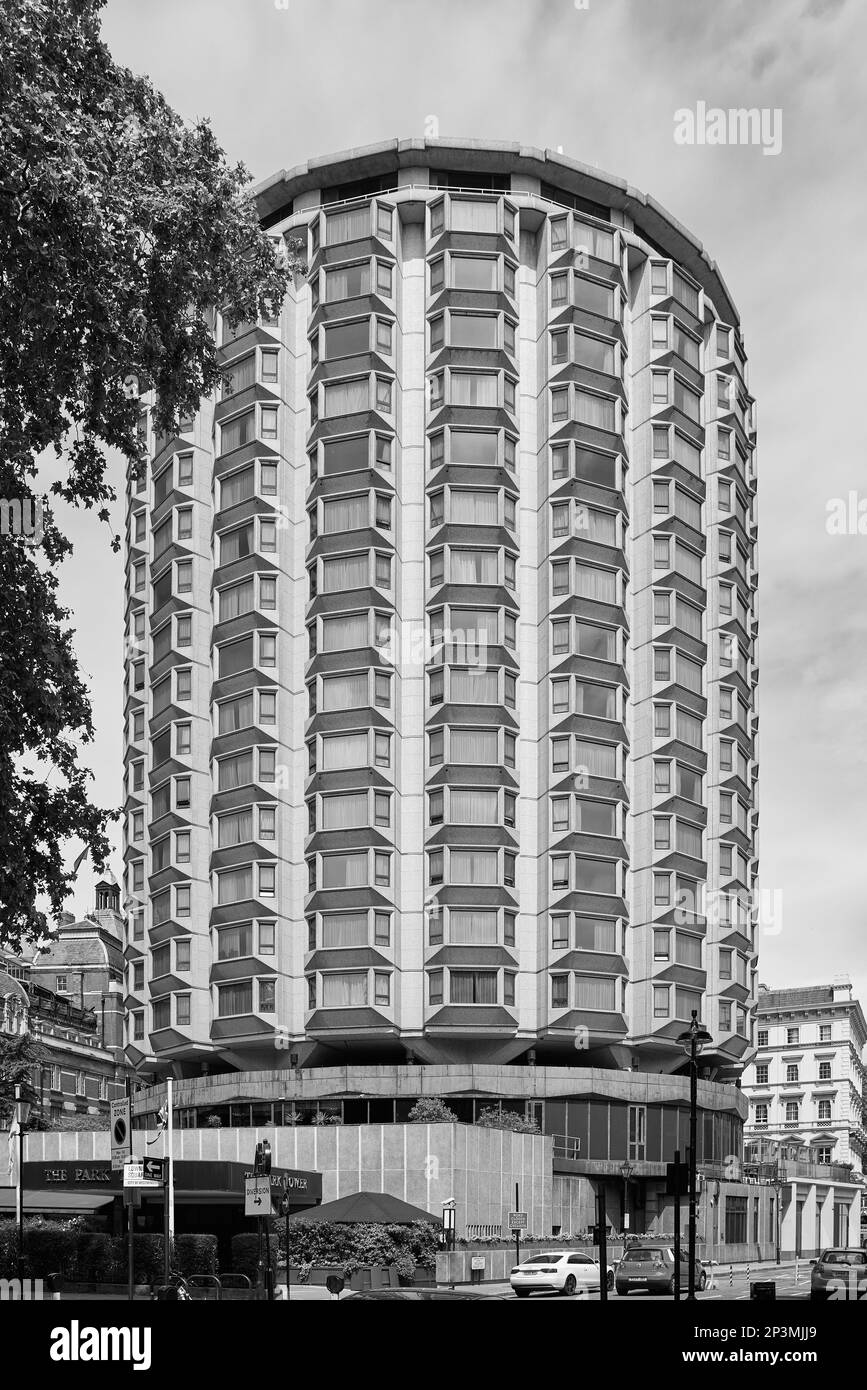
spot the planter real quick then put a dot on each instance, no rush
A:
(367, 1277)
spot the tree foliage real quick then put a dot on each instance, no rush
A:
(121, 227)
(19, 1055)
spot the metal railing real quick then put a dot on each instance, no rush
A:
(565, 1146)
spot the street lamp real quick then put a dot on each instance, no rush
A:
(692, 1043)
(22, 1114)
(626, 1174)
(778, 1189)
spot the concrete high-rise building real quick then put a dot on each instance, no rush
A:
(441, 665)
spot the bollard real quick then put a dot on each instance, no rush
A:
(731, 1277)
(797, 1270)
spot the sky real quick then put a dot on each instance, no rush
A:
(604, 79)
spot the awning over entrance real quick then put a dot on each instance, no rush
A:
(69, 1203)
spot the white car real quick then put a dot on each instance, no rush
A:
(558, 1271)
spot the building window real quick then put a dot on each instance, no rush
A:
(824, 1112)
(559, 991)
(793, 1035)
(637, 1132)
(761, 1116)
(824, 1071)
(762, 1075)
(735, 1220)
(182, 1010)
(791, 1112)
(661, 945)
(762, 1037)
(824, 1032)
(792, 1072)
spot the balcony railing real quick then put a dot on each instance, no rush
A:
(565, 1146)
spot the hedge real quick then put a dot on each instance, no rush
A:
(94, 1257)
(245, 1254)
(196, 1254)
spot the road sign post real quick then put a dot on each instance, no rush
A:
(517, 1224)
(602, 1222)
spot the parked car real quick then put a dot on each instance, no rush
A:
(558, 1271)
(421, 1295)
(650, 1266)
(839, 1273)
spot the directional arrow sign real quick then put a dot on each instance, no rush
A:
(257, 1196)
(135, 1175)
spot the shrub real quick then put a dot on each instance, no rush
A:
(196, 1254)
(8, 1249)
(148, 1258)
(214, 1122)
(100, 1258)
(364, 1243)
(493, 1118)
(50, 1247)
(431, 1110)
(245, 1254)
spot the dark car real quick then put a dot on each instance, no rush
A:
(422, 1295)
(840, 1273)
(650, 1267)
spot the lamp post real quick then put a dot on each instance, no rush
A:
(692, 1043)
(626, 1174)
(778, 1189)
(22, 1112)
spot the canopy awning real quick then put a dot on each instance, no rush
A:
(72, 1203)
(367, 1206)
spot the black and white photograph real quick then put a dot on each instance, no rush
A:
(433, 674)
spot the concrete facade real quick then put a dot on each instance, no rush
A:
(441, 665)
(425, 1165)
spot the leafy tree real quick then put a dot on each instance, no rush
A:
(19, 1055)
(493, 1118)
(431, 1110)
(121, 227)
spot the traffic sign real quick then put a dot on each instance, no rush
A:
(517, 1221)
(257, 1196)
(149, 1172)
(121, 1133)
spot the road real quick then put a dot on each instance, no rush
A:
(721, 1289)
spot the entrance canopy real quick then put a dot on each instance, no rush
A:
(65, 1203)
(378, 1207)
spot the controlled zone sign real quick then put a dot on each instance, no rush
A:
(121, 1134)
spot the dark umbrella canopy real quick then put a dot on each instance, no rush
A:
(367, 1206)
